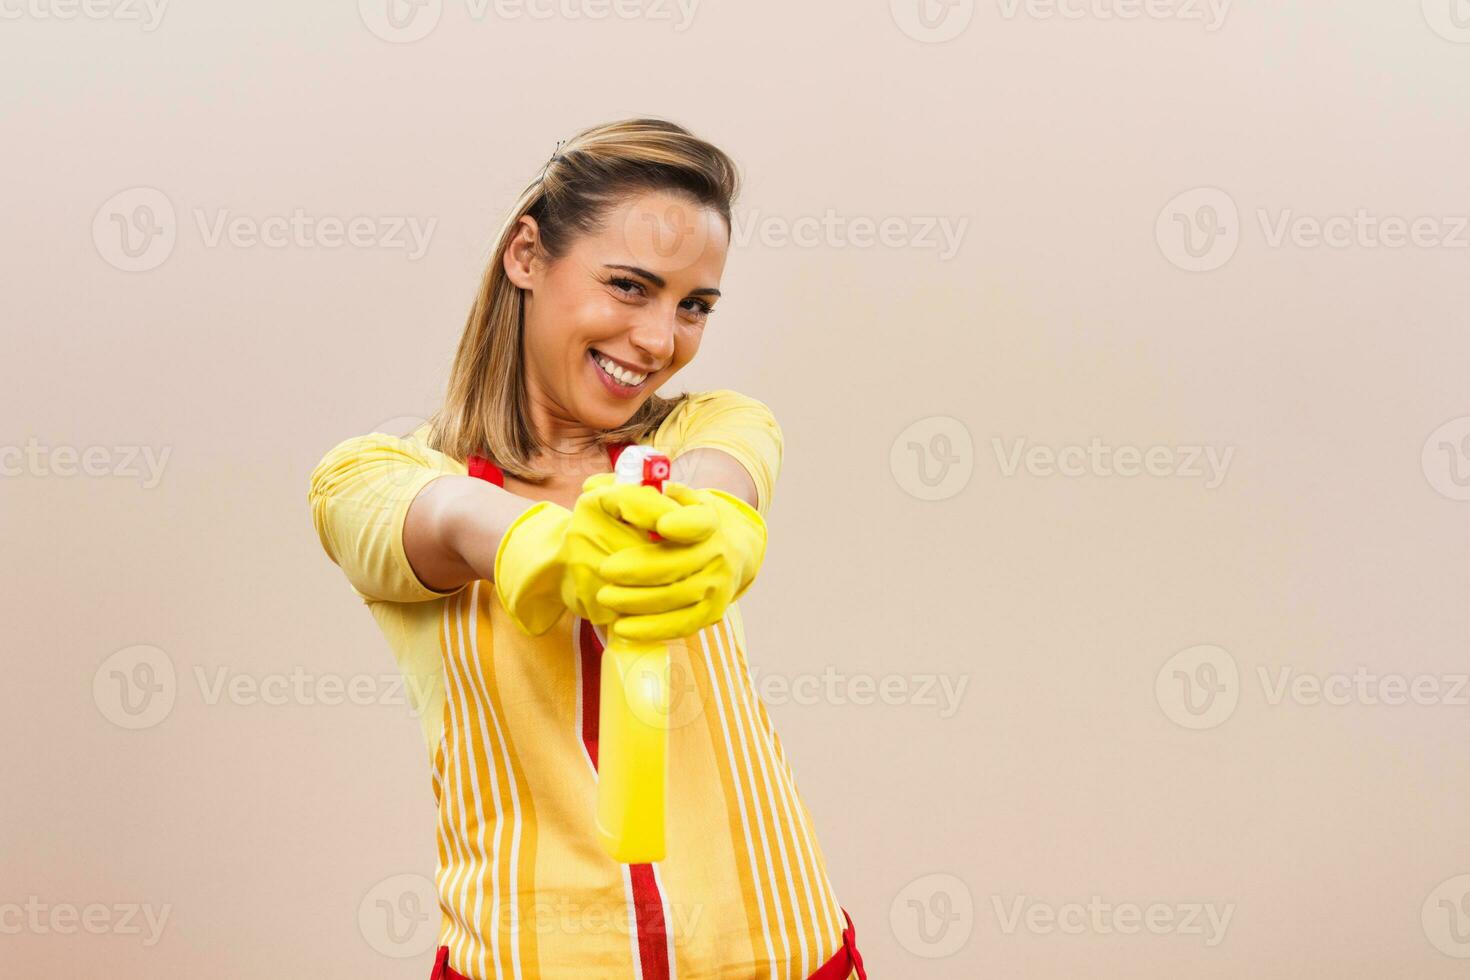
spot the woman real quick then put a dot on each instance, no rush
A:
(495, 552)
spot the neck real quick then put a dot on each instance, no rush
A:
(560, 434)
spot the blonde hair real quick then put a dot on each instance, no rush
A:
(485, 407)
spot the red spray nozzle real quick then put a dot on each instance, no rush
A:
(643, 465)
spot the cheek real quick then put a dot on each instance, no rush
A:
(571, 309)
(686, 344)
(555, 324)
(594, 319)
(564, 333)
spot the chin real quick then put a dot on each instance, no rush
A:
(611, 416)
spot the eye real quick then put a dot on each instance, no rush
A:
(625, 285)
(695, 308)
(701, 310)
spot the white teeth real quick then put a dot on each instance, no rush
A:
(619, 373)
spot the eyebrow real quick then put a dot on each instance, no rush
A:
(658, 280)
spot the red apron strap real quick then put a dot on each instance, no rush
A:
(845, 960)
(484, 468)
(841, 966)
(613, 452)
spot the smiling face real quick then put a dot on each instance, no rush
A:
(621, 312)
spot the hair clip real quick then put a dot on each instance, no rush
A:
(555, 156)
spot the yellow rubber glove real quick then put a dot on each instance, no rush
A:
(713, 546)
(548, 559)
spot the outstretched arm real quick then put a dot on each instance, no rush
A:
(723, 440)
(714, 469)
(454, 527)
(403, 521)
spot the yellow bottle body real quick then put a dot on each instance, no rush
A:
(632, 750)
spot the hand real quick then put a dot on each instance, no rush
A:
(595, 533)
(713, 546)
(549, 558)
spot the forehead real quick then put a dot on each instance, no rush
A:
(668, 234)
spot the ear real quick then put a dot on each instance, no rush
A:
(520, 253)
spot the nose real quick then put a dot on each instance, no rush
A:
(653, 335)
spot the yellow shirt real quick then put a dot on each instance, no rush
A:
(508, 720)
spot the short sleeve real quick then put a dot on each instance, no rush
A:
(732, 423)
(360, 494)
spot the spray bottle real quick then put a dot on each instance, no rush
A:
(633, 726)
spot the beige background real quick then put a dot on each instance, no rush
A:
(1333, 834)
